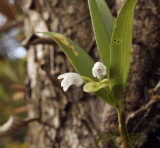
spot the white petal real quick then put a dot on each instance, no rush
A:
(78, 82)
(64, 82)
(98, 76)
(62, 76)
(70, 79)
(93, 72)
(65, 88)
(99, 70)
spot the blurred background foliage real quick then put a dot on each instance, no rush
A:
(12, 71)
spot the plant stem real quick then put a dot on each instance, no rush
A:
(126, 142)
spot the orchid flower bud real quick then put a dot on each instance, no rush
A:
(99, 70)
(70, 79)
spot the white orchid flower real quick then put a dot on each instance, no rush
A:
(99, 70)
(70, 79)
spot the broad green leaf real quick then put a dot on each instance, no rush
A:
(106, 16)
(121, 44)
(103, 22)
(81, 61)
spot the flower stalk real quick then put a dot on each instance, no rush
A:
(125, 139)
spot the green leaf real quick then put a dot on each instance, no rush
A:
(81, 61)
(106, 16)
(121, 44)
(91, 87)
(103, 22)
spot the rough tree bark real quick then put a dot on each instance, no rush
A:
(142, 95)
(72, 120)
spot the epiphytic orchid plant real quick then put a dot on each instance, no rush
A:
(114, 41)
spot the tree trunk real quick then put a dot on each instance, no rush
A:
(142, 97)
(76, 119)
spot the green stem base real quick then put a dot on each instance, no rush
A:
(126, 142)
